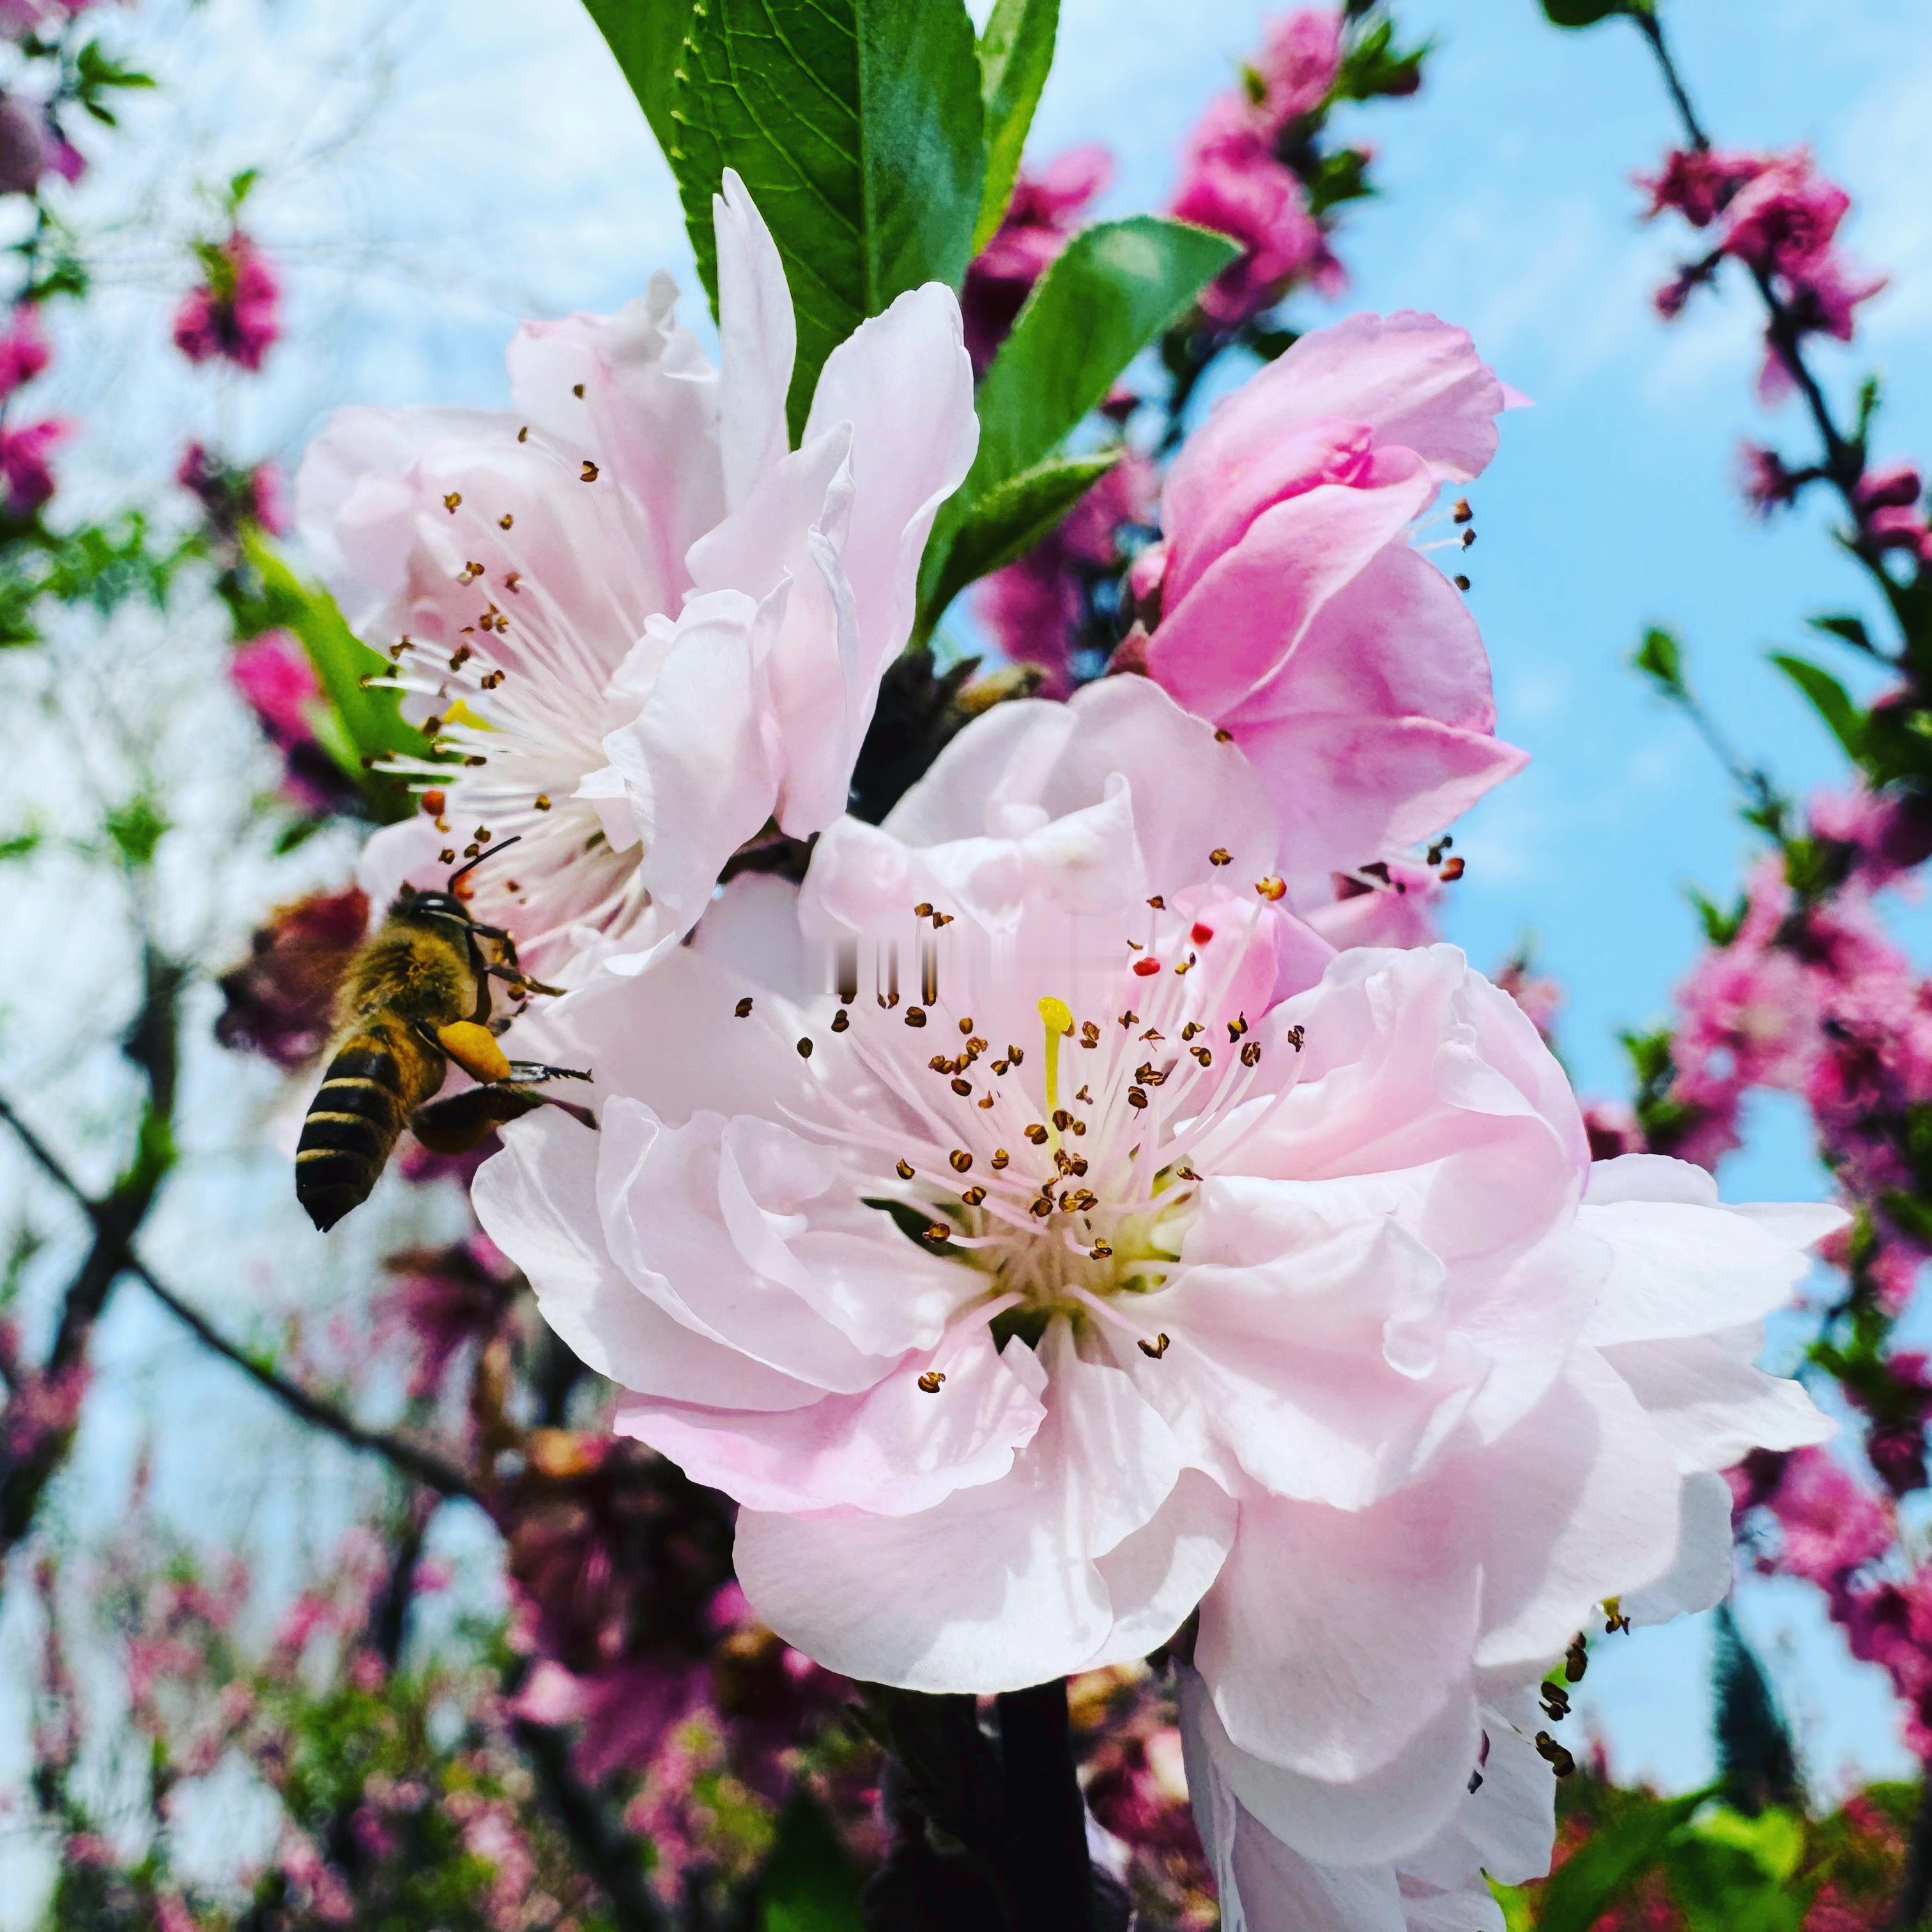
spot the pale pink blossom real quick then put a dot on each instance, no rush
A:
(26, 464)
(665, 627)
(1297, 614)
(1069, 1282)
(1502, 1828)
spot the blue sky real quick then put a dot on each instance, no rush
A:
(435, 169)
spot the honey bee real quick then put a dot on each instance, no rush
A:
(416, 997)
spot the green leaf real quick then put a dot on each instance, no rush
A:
(1733, 1872)
(647, 38)
(857, 127)
(1016, 52)
(1012, 516)
(1828, 698)
(1849, 629)
(137, 830)
(360, 723)
(1582, 13)
(811, 1884)
(1721, 927)
(1114, 289)
(1595, 1877)
(1661, 657)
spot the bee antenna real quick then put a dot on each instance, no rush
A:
(502, 844)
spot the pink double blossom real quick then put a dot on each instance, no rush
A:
(665, 625)
(1297, 615)
(1698, 183)
(1082, 1283)
(24, 351)
(1783, 217)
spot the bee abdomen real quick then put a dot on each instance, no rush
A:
(352, 1123)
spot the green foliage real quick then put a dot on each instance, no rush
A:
(811, 1883)
(1849, 629)
(1004, 523)
(1609, 1863)
(359, 723)
(1730, 1872)
(135, 829)
(1720, 925)
(100, 566)
(1115, 288)
(858, 127)
(1015, 51)
(1373, 64)
(646, 36)
(1340, 176)
(1828, 698)
(1661, 657)
(1588, 13)
(96, 75)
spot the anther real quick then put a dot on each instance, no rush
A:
(930, 1380)
(452, 500)
(1136, 1098)
(915, 1016)
(1146, 968)
(805, 1048)
(511, 579)
(840, 1020)
(1089, 1034)
(1224, 736)
(1468, 538)
(433, 802)
(1099, 1251)
(577, 389)
(1130, 1018)
(1043, 1207)
(966, 1026)
(447, 856)
(1200, 933)
(541, 801)
(973, 1196)
(1462, 513)
(523, 434)
(963, 1088)
(1555, 1701)
(1014, 1056)
(743, 1008)
(1271, 888)
(1202, 1054)
(1158, 904)
(938, 1231)
(1192, 1027)
(589, 472)
(1553, 1754)
(1085, 1098)
(1036, 1133)
(1220, 856)
(923, 909)
(1296, 1037)
(1251, 1053)
(1155, 1349)
(1001, 1157)
(1575, 1659)
(1237, 1026)
(1451, 872)
(903, 1168)
(1461, 582)
(1062, 1119)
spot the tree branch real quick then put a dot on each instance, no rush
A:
(414, 1460)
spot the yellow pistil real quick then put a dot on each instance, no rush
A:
(1058, 1019)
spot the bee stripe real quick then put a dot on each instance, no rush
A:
(358, 1112)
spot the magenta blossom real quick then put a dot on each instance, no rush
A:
(1296, 65)
(1767, 484)
(26, 466)
(1297, 616)
(24, 350)
(1783, 217)
(1039, 221)
(234, 313)
(231, 495)
(1233, 182)
(1698, 183)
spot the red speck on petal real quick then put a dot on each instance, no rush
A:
(1145, 966)
(1202, 933)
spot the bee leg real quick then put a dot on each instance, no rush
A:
(528, 1073)
(509, 966)
(456, 1124)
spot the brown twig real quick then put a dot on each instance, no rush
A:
(412, 1460)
